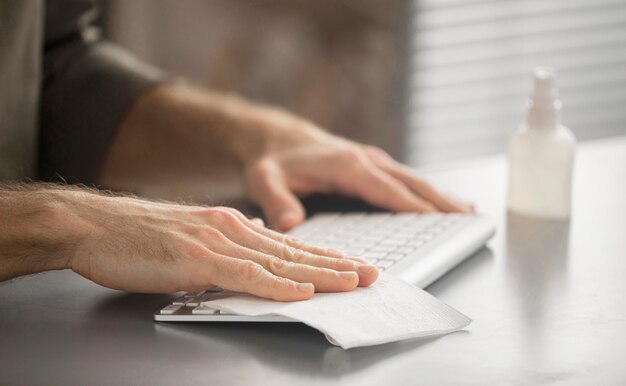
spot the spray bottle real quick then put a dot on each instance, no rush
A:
(541, 155)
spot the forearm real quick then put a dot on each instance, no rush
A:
(175, 133)
(38, 231)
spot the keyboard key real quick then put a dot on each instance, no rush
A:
(194, 294)
(405, 249)
(390, 243)
(373, 255)
(363, 243)
(204, 310)
(395, 257)
(171, 309)
(354, 251)
(403, 235)
(181, 301)
(379, 248)
(380, 238)
(194, 302)
(384, 264)
(415, 243)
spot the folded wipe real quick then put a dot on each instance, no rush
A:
(389, 311)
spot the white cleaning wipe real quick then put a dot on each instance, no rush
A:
(389, 311)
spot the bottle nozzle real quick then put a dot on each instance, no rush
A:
(544, 107)
(545, 92)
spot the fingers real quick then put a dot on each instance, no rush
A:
(288, 240)
(323, 279)
(248, 276)
(370, 183)
(417, 184)
(253, 236)
(442, 201)
(299, 244)
(236, 228)
(367, 274)
(268, 187)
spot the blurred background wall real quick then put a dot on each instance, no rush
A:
(428, 80)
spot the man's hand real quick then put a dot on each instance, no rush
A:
(142, 246)
(175, 132)
(297, 159)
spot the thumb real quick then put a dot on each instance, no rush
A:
(269, 189)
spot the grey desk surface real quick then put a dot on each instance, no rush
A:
(548, 301)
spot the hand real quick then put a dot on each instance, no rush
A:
(143, 246)
(298, 159)
(175, 136)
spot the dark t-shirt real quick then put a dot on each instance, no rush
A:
(63, 91)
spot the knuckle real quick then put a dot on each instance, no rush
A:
(291, 240)
(333, 253)
(194, 230)
(194, 249)
(322, 251)
(230, 210)
(262, 169)
(340, 264)
(335, 264)
(290, 253)
(214, 234)
(224, 218)
(377, 152)
(351, 155)
(251, 271)
(276, 265)
(279, 283)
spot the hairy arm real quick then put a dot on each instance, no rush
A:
(137, 245)
(176, 134)
(37, 231)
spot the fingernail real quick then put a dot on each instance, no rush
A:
(348, 275)
(367, 269)
(305, 287)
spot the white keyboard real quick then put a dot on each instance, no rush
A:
(382, 239)
(418, 248)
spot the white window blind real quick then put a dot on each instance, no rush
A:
(470, 64)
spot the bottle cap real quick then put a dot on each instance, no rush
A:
(544, 107)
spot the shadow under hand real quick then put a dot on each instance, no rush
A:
(313, 204)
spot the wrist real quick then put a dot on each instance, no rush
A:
(243, 129)
(238, 125)
(40, 231)
(258, 130)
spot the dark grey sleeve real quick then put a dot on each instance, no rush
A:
(88, 86)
